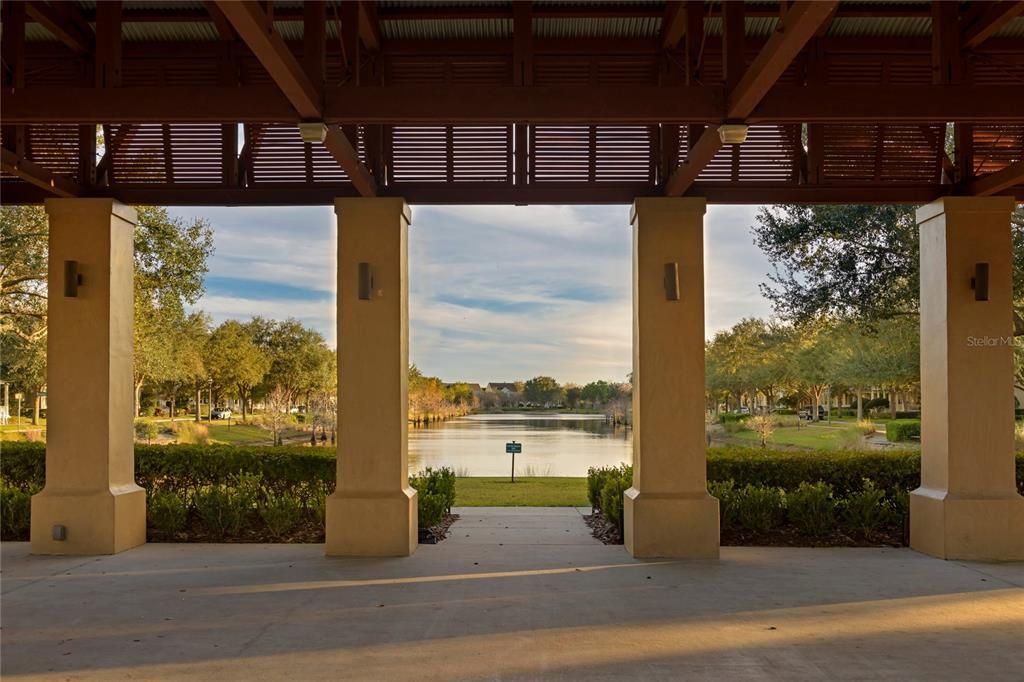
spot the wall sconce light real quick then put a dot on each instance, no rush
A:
(72, 279)
(365, 281)
(980, 282)
(671, 281)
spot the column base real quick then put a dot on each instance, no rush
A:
(975, 529)
(677, 526)
(104, 522)
(372, 524)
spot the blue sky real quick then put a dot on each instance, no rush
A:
(497, 293)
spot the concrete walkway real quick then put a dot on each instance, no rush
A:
(516, 594)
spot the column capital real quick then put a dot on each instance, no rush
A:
(953, 204)
(74, 207)
(663, 205)
(379, 205)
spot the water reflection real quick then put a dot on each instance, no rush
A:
(553, 444)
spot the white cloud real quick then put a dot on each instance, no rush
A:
(496, 292)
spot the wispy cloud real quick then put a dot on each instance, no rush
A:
(496, 292)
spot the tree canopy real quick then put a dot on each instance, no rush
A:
(850, 261)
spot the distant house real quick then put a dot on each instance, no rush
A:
(503, 388)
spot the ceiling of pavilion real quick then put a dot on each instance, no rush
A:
(554, 101)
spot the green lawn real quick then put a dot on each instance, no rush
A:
(237, 434)
(549, 491)
(816, 437)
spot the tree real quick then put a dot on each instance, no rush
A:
(573, 394)
(596, 393)
(186, 368)
(170, 266)
(23, 255)
(852, 261)
(299, 357)
(23, 362)
(541, 390)
(809, 350)
(234, 361)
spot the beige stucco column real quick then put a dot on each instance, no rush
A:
(668, 512)
(90, 463)
(967, 506)
(373, 509)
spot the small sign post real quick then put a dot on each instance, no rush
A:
(511, 449)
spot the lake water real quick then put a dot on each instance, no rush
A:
(553, 444)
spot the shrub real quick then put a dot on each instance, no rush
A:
(725, 491)
(760, 508)
(431, 509)
(146, 430)
(167, 512)
(732, 417)
(224, 509)
(866, 427)
(866, 511)
(735, 427)
(811, 508)
(611, 499)
(902, 430)
(764, 427)
(318, 509)
(15, 513)
(192, 433)
(605, 488)
(280, 514)
(436, 482)
(786, 421)
(596, 478)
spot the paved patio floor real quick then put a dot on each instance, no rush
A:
(514, 594)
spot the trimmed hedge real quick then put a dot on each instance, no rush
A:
(903, 430)
(843, 470)
(183, 468)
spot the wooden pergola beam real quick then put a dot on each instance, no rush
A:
(256, 29)
(993, 183)
(337, 143)
(223, 26)
(699, 157)
(36, 175)
(990, 21)
(801, 22)
(593, 105)
(673, 24)
(799, 25)
(65, 22)
(369, 25)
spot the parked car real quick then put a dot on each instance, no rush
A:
(807, 412)
(220, 413)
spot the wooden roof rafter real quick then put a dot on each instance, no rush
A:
(801, 22)
(256, 29)
(65, 21)
(35, 174)
(991, 17)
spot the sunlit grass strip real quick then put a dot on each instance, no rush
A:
(498, 491)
